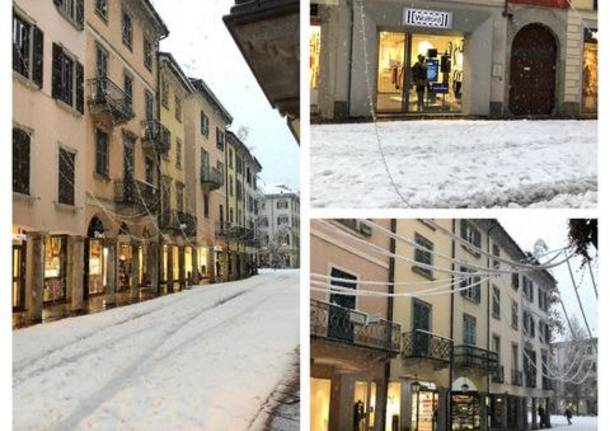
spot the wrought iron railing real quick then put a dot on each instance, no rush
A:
(333, 322)
(498, 376)
(105, 95)
(211, 178)
(422, 344)
(136, 193)
(229, 231)
(156, 136)
(516, 377)
(179, 222)
(467, 356)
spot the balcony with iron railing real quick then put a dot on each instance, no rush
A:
(136, 193)
(467, 356)
(420, 344)
(335, 323)
(211, 178)
(178, 222)
(516, 378)
(233, 232)
(107, 98)
(498, 376)
(156, 137)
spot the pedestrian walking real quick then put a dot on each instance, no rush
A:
(542, 416)
(420, 78)
(568, 414)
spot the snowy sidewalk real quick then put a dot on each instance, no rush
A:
(455, 163)
(203, 359)
(579, 423)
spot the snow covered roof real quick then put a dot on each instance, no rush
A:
(280, 189)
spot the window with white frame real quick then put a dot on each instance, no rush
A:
(28, 45)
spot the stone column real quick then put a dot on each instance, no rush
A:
(211, 265)
(153, 266)
(181, 270)
(134, 277)
(195, 263)
(34, 276)
(170, 268)
(113, 263)
(483, 411)
(381, 392)
(75, 270)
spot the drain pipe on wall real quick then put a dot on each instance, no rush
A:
(390, 313)
(506, 13)
(448, 412)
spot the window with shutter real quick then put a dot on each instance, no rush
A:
(101, 8)
(25, 49)
(473, 292)
(205, 125)
(67, 79)
(206, 206)
(66, 177)
(178, 153)
(422, 255)
(149, 105)
(72, 10)
(470, 330)
(80, 88)
(127, 31)
(21, 161)
(101, 153)
(148, 53)
(37, 56)
(128, 89)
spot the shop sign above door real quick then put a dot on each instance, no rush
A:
(427, 18)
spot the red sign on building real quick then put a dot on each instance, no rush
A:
(562, 4)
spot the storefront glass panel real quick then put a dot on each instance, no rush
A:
(320, 404)
(423, 410)
(188, 262)
(392, 422)
(96, 267)
(125, 266)
(202, 259)
(165, 265)
(589, 73)
(54, 269)
(465, 412)
(18, 276)
(360, 405)
(176, 263)
(314, 62)
(431, 83)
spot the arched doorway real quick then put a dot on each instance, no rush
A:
(533, 71)
(94, 270)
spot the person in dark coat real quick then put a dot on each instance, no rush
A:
(420, 78)
(542, 416)
(358, 414)
(569, 416)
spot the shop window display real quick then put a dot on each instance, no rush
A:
(125, 266)
(18, 276)
(424, 410)
(589, 73)
(420, 73)
(320, 404)
(188, 262)
(314, 62)
(465, 411)
(176, 265)
(54, 269)
(392, 422)
(97, 261)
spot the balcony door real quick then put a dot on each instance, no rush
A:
(128, 160)
(18, 277)
(422, 313)
(340, 325)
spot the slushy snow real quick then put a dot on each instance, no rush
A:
(579, 423)
(202, 359)
(455, 164)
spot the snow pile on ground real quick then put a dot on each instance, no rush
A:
(579, 423)
(205, 358)
(455, 164)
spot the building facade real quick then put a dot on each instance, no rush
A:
(580, 394)
(479, 58)
(279, 224)
(135, 191)
(471, 360)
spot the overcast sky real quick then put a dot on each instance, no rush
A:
(202, 45)
(526, 229)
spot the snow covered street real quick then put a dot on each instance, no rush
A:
(202, 359)
(579, 423)
(455, 163)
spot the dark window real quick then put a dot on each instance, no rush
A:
(470, 330)
(150, 170)
(206, 206)
(205, 125)
(180, 197)
(68, 79)
(149, 105)
(66, 177)
(515, 315)
(220, 139)
(472, 293)
(178, 109)
(178, 153)
(101, 8)
(101, 153)
(128, 88)
(470, 233)
(148, 54)
(127, 30)
(496, 252)
(515, 280)
(21, 161)
(72, 10)
(164, 93)
(28, 47)
(423, 256)
(495, 310)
